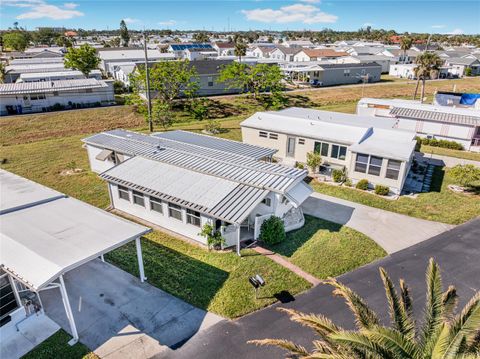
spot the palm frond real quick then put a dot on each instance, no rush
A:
(399, 316)
(434, 303)
(449, 300)
(393, 341)
(361, 342)
(364, 316)
(288, 345)
(319, 323)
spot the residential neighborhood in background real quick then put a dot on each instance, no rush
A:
(164, 192)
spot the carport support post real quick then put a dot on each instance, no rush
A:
(68, 310)
(238, 240)
(138, 244)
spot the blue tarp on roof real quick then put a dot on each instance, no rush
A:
(469, 98)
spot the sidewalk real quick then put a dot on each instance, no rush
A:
(392, 231)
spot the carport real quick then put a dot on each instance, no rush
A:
(45, 234)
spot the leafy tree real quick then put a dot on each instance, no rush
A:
(240, 47)
(124, 35)
(213, 126)
(84, 59)
(201, 37)
(2, 72)
(442, 334)
(64, 41)
(198, 108)
(428, 65)
(17, 40)
(235, 76)
(313, 161)
(405, 45)
(45, 36)
(162, 114)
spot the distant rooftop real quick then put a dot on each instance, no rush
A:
(49, 86)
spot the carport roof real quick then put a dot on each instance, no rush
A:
(53, 234)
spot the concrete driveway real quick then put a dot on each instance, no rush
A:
(392, 231)
(117, 316)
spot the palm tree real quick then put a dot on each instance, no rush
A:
(428, 65)
(2, 73)
(443, 334)
(405, 45)
(240, 47)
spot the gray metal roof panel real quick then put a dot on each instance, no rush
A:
(435, 116)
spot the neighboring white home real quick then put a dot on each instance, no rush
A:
(406, 71)
(366, 147)
(298, 43)
(109, 57)
(56, 76)
(330, 74)
(382, 60)
(194, 54)
(461, 125)
(224, 48)
(37, 60)
(318, 55)
(31, 97)
(458, 65)
(283, 53)
(181, 181)
(179, 50)
(364, 50)
(13, 72)
(122, 71)
(261, 52)
(400, 56)
(44, 235)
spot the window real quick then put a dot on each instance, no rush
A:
(8, 302)
(55, 93)
(156, 205)
(267, 202)
(322, 148)
(210, 81)
(193, 217)
(138, 198)
(301, 141)
(175, 211)
(393, 169)
(88, 90)
(361, 163)
(375, 165)
(39, 96)
(346, 72)
(273, 136)
(263, 134)
(339, 152)
(123, 193)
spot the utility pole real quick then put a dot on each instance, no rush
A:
(147, 83)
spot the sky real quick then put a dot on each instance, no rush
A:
(427, 16)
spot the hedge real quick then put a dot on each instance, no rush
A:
(362, 184)
(382, 190)
(438, 143)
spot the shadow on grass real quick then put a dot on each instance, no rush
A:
(437, 179)
(187, 278)
(299, 237)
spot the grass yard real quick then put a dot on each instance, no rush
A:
(441, 204)
(325, 249)
(474, 156)
(56, 347)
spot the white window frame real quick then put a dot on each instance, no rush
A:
(175, 208)
(393, 169)
(138, 198)
(370, 165)
(122, 189)
(192, 217)
(156, 201)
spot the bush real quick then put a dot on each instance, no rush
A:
(57, 107)
(362, 184)
(299, 165)
(382, 190)
(118, 87)
(214, 238)
(337, 176)
(438, 143)
(313, 160)
(465, 175)
(468, 71)
(348, 182)
(272, 231)
(213, 127)
(199, 109)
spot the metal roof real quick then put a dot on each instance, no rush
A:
(438, 116)
(221, 198)
(228, 146)
(50, 86)
(49, 234)
(205, 160)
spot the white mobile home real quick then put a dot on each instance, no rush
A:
(56, 76)
(461, 125)
(31, 97)
(181, 181)
(367, 148)
(112, 56)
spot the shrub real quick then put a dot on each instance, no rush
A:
(362, 184)
(299, 165)
(272, 230)
(382, 190)
(213, 126)
(199, 109)
(439, 143)
(118, 87)
(313, 160)
(337, 176)
(465, 175)
(468, 71)
(58, 107)
(214, 238)
(348, 182)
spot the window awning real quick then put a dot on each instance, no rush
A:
(102, 156)
(299, 193)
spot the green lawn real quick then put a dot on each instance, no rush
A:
(451, 153)
(440, 204)
(57, 347)
(325, 249)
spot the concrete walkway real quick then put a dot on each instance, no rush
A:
(285, 263)
(117, 316)
(447, 161)
(392, 231)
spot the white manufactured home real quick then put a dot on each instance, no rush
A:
(367, 148)
(31, 97)
(461, 125)
(181, 181)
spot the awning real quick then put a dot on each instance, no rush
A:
(102, 156)
(299, 193)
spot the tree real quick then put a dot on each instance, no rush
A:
(2, 72)
(240, 47)
(235, 76)
(45, 36)
(443, 333)
(124, 35)
(465, 175)
(405, 45)
(17, 40)
(313, 161)
(428, 65)
(162, 114)
(201, 37)
(64, 41)
(84, 59)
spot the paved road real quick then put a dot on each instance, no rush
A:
(457, 251)
(117, 316)
(390, 230)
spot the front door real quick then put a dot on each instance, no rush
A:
(291, 147)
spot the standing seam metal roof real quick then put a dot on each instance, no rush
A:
(435, 116)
